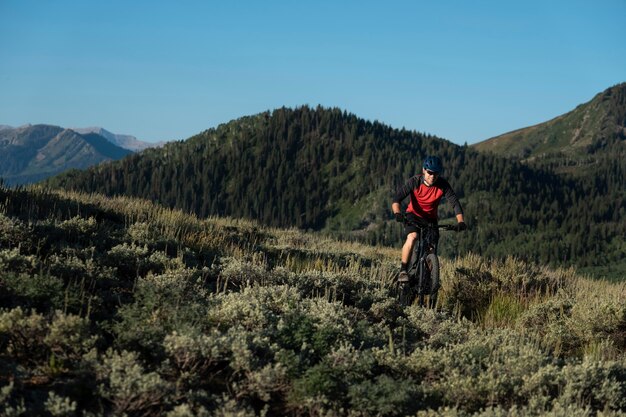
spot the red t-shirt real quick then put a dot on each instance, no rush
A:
(424, 199)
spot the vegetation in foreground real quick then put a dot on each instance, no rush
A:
(121, 307)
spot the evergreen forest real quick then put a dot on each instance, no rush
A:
(324, 169)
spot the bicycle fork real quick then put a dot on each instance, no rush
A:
(425, 275)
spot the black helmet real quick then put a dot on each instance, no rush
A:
(433, 163)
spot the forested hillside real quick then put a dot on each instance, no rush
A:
(120, 307)
(325, 169)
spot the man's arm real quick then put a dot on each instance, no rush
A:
(403, 192)
(458, 210)
(454, 201)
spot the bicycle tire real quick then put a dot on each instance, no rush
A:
(432, 263)
(405, 294)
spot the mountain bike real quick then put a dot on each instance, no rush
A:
(422, 268)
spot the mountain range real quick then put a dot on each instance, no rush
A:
(31, 153)
(123, 141)
(327, 170)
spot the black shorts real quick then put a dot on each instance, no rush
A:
(431, 234)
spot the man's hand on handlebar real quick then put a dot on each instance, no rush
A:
(461, 226)
(400, 218)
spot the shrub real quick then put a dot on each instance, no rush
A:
(599, 385)
(237, 360)
(69, 337)
(134, 261)
(525, 280)
(468, 293)
(598, 322)
(327, 383)
(334, 324)
(186, 410)
(265, 384)
(240, 273)
(40, 291)
(437, 329)
(12, 260)
(487, 369)
(79, 228)
(214, 317)
(255, 307)
(231, 407)
(194, 355)
(60, 406)
(129, 388)
(9, 406)
(13, 232)
(74, 265)
(549, 322)
(570, 410)
(383, 396)
(540, 388)
(50, 345)
(163, 303)
(22, 336)
(142, 233)
(384, 308)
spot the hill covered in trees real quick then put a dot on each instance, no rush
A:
(325, 169)
(118, 306)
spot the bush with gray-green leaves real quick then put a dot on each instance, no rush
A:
(121, 307)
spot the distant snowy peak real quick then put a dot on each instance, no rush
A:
(124, 141)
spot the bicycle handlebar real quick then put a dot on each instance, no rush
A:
(450, 227)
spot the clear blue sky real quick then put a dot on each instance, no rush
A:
(161, 70)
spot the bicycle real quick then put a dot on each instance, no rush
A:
(422, 268)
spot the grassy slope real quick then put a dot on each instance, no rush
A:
(561, 134)
(121, 306)
(569, 136)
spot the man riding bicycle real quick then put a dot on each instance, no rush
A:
(426, 191)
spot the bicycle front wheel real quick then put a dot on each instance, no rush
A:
(432, 265)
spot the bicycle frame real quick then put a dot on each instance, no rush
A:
(423, 269)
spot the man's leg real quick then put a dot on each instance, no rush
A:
(406, 255)
(408, 246)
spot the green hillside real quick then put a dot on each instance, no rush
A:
(575, 142)
(118, 306)
(327, 170)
